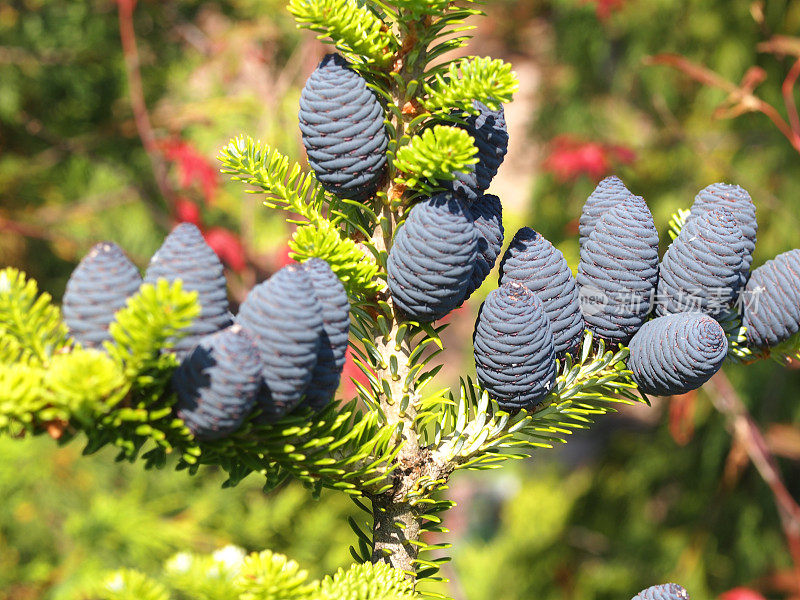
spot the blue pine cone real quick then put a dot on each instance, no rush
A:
(431, 261)
(487, 217)
(618, 271)
(515, 358)
(535, 263)
(737, 201)
(666, 591)
(185, 255)
(98, 287)
(343, 130)
(771, 301)
(703, 270)
(285, 320)
(217, 383)
(335, 305)
(488, 129)
(675, 354)
(609, 192)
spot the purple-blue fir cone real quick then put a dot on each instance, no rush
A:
(771, 301)
(618, 271)
(343, 130)
(677, 353)
(284, 318)
(535, 263)
(185, 255)
(609, 192)
(487, 216)
(335, 305)
(217, 383)
(431, 261)
(98, 287)
(515, 356)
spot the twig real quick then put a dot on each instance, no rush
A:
(138, 106)
(741, 98)
(788, 99)
(744, 428)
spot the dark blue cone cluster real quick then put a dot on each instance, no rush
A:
(488, 128)
(217, 383)
(675, 354)
(185, 255)
(335, 306)
(772, 301)
(430, 264)
(343, 130)
(618, 271)
(284, 318)
(737, 201)
(703, 268)
(98, 287)
(609, 192)
(666, 591)
(532, 261)
(514, 353)
(487, 217)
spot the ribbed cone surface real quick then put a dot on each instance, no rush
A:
(343, 130)
(737, 201)
(703, 270)
(332, 298)
(514, 353)
(491, 138)
(185, 255)
(487, 217)
(217, 383)
(535, 263)
(609, 192)
(431, 261)
(675, 354)
(667, 591)
(618, 271)
(284, 318)
(98, 288)
(771, 301)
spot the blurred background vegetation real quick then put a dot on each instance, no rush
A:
(95, 144)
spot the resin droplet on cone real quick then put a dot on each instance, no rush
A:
(343, 130)
(98, 287)
(514, 353)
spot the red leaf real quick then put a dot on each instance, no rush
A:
(187, 211)
(227, 246)
(681, 417)
(741, 593)
(192, 166)
(571, 157)
(604, 8)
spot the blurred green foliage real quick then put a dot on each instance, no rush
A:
(68, 519)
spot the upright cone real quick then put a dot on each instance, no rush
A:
(98, 287)
(608, 193)
(771, 301)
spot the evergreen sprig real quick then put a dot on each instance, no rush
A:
(128, 584)
(434, 156)
(354, 29)
(490, 81)
(30, 325)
